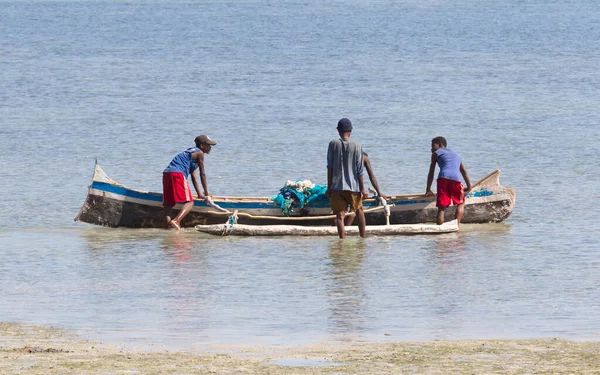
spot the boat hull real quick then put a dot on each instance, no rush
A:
(111, 204)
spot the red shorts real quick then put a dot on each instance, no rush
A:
(449, 192)
(175, 189)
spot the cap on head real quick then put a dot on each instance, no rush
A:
(344, 125)
(204, 139)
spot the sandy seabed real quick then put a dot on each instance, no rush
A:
(41, 350)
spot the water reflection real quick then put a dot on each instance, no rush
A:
(345, 292)
(158, 281)
(179, 246)
(186, 298)
(450, 282)
(110, 239)
(446, 246)
(463, 276)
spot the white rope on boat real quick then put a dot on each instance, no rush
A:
(228, 227)
(214, 205)
(387, 210)
(384, 203)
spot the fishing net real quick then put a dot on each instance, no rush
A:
(297, 196)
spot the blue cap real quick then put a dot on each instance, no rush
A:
(344, 125)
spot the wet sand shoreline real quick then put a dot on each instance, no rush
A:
(42, 350)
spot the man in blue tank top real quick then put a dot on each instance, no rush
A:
(449, 186)
(176, 188)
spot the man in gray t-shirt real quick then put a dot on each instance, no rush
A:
(345, 185)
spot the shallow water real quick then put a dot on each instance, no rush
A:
(511, 85)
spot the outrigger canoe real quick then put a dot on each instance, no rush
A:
(112, 204)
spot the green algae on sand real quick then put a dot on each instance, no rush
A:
(41, 350)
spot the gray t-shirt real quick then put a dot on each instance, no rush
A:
(346, 159)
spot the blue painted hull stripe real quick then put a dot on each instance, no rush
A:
(153, 197)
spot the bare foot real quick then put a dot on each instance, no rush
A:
(174, 224)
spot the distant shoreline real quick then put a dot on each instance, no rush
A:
(39, 350)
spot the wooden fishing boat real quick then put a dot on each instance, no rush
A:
(111, 204)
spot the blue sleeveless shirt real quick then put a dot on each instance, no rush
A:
(183, 162)
(449, 162)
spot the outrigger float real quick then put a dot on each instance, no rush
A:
(231, 228)
(112, 204)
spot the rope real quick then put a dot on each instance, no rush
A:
(291, 219)
(214, 205)
(384, 203)
(228, 227)
(387, 210)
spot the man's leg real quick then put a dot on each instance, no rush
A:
(167, 196)
(176, 223)
(440, 215)
(339, 223)
(339, 206)
(349, 219)
(167, 216)
(443, 199)
(460, 210)
(362, 223)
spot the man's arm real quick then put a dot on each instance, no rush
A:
(200, 161)
(465, 175)
(430, 175)
(195, 183)
(360, 169)
(329, 168)
(361, 185)
(372, 177)
(329, 178)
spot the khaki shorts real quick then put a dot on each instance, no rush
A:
(340, 200)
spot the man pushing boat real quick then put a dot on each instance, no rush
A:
(374, 183)
(449, 187)
(176, 188)
(345, 185)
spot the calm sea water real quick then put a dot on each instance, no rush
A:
(512, 85)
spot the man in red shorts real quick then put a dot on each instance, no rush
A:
(449, 187)
(176, 188)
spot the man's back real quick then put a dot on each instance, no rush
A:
(449, 162)
(183, 162)
(345, 158)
